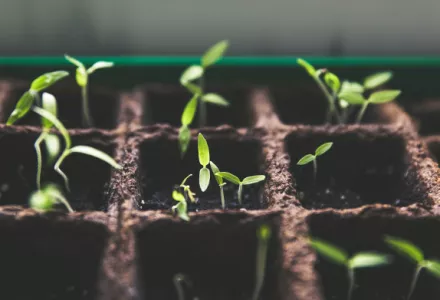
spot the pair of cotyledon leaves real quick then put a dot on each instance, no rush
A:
(318, 152)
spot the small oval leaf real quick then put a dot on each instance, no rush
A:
(191, 73)
(184, 139)
(354, 87)
(406, 248)
(375, 80)
(46, 80)
(215, 99)
(308, 67)
(100, 65)
(215, 170)
(189, 111)
(323, 148)
(204, 178)
(332, 81)
(384, 96)
(22, 108)
(87, 150)
(330, 251)
(49, 103)
(368, 259)
(203, 150)
(352, 98)
(306, 159)
(253, 179)
(178, 196)
(229, 177)
(213, 54)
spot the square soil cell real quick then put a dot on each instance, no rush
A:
(361, 168)
(89, 177)
(163, 169)
(357, 233)
(427, 115)
(104, 105)
(52, 260)
(216, 253)
(165, 104)
(306, 104)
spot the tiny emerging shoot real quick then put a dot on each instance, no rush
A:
(181, 208)
(264, 233)
(358, 260)
(246, 181)
(413, 253)
(313, 157)
(220, 182)
(204, 159)
(44, 199)
(82, 79)
(187, 189)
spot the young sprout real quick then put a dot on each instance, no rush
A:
(196, 72)
(187, 189)
(358, 260)
(204, 174)
(187, 119)
(45, 199)
(312, 158)
(181, 208)
(263, 235)
(246, 181)
(220, 182)
(413, 253)
(82, 79)
(68, 150)
(29, 97)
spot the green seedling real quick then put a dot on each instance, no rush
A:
(44, 199)
(308, 158)
(181, 208)
(82, 79)
(204, 174)
(187, 189)
(68, 150)
(27, 100)
(220, 182)
(263, 235)
(196, 73)
(187, 118)
(413, 253)
(246, 181)
(358, 260)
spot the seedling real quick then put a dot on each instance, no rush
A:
(413, 253)
(181, 208)
(45, 199)
(196, 72)
(220, 182)
(246, 181)
(187, 189)
(82, 79)
(263, 235)
(187, 118)
(26, 101)
(204, 174)
(358, 260)
(308, 158)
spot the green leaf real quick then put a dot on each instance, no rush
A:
(74, 61)
(184, 139)
(57, 123)
(213, 54)
(264, 232)
(87, 150)
(204, 178)
(323, 148)
(22, 108)
(49, 103)
(190, 111)
(376, 80)
(100, 65)
(330, 251)
(384, 96)
(81, 77)
(406, 248)
(229, 177)
(53, 147)
(40, 201)
(46, 80)
(354, 87)
(352, 98)
(178, 196)
(309, 68)
(194, 89)
(181, 209)
(433, 266)
(332, 81)
(215, 99)
(368, 259)
(191, 73)
(253, 179)
(203, 150)
(306, 159)
(215, 170)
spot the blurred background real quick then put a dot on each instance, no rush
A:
(254, 27)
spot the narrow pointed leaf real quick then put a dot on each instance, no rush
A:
(191, 73)
(87, 150)
(375, 80)
(215, 99)
(368, 259)
(204, 178)
(215, 170)
(405, 248)
(74, 61)
(57, 123)
(433, 266)
(189, 111)
(213, 54)
(354, 87)
(22, 108)
(308, 67)
(229, 177)
(46, 80)
(253, 179)
(306, 159)
(352, 98)
(323, 148)
(184, 139)
(49, 103)
(384, 96)
(100, 65)
(178, 196)
(330, 251)
(203, 150)
(332, 81)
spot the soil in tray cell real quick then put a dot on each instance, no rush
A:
(215, 253)
(163, 170)
(357, 170)
(392, 282)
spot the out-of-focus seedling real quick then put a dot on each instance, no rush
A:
(264, 233)
(413, 253)
(204, 174)
(187, 189)
(220, 182)
(44, 199)
(313, 157)
(196, 73)
(187, 119)
(82, 79)
(358, 260)
(246, 181)
(181, 208)
(26, 101)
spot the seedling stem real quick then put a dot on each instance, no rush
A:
(361, 112)
(86, 118)
(202, 105)
(263, 235)
(37, 146)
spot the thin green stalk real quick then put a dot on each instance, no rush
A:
(37, 146)
(315, 170)
(331, 102)
(350, 283)
(60, 160)
(361, 112)
(240, 192)
(222, 197)
(203, 115)
(414, 281)
(177, 280)
(86, 118)
(63, 201)
(261, 268)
